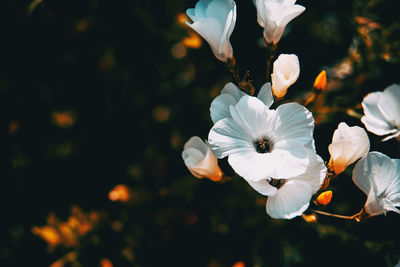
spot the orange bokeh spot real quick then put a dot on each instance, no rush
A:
(106, 263)
(193, 41)
(63, 119)
(324, 198)
(67, 233)
(48, 234)
(239, 264)
(320, 81)
(13, 128)
(181, 18)
(120, 193)
(312, 218)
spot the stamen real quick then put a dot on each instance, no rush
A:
(263, 146)
(278, 183)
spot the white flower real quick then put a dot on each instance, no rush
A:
(260, 142)
(378, 176)
(382, 112)
(214, 20)
(290, 197)
(230, 96)
(200, 160)
(348, 145)
(285, 73)
(274, 15)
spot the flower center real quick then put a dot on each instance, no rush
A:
(276, 182)
(263, 146)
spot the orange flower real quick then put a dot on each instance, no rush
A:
(324, 198)
(320, 81)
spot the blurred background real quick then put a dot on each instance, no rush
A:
(97, 99)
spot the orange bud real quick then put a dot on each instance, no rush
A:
(312, 218)
(320, 81)
(324, 198)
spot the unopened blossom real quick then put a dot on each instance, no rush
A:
(285, 73)
(230, 96)
(378, 176)
(348, 145)
(288, 198)
(200, 160)
(382, 112)
(320, 81)
(260, 142)
(215, 20)
(274, 15)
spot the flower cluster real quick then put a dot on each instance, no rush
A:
(273, 148)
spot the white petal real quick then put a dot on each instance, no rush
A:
(280, 163)
(232, 90)
(200, 8)
(389, 104)
(226, 137)
(286, 70)
(192, 156)
(393, 190)
(219, 108)
(291, 200)
(290, 159)
(295, 123)
(251, 114)
(198, 143)
(265, 95)
(219, 9)
(374, 169)
(373, 119)
(229, 96)
(191, 14)
(390, 206)
(210, 30)
(348, 145)
(377, 176)
(253, 166)
(315, 173)
(292, 13)
(263, 187)
(207, 167)
(261, 12)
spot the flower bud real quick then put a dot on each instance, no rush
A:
(348, 145)
(215, 20)
(274, 15)
(320, 81)
(200, 160)
(285, 73)
(324, 198)
(312, 218)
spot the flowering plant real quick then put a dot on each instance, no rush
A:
(273, 150)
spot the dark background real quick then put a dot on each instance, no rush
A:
(134, 104)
